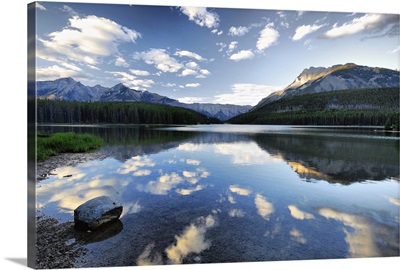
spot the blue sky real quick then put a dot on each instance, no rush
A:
(199, 54)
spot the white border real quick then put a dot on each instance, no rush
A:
(13, 132)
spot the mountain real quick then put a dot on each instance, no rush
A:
(69, 89)
(339, 95)
(339, 77)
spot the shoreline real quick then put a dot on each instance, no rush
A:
(56, 245)
(44, 168)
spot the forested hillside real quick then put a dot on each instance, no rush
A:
(378, 106)
(62, 111)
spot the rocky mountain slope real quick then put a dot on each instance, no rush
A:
(339, 77)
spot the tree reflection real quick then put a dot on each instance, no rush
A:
(342, 160)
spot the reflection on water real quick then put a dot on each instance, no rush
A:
(207, 197)
(192, 240)
(360, 237)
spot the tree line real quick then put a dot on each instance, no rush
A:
(77, 112)
(370, 107)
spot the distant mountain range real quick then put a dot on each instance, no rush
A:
(339, 77)
(69, 89)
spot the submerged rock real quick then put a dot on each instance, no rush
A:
(96, 212)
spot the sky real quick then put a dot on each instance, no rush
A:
(204, 54)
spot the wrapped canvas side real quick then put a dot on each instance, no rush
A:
(31, 117)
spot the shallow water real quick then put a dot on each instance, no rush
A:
(200, 194)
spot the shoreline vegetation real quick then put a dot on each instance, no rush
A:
(354, 107)
(67, 142)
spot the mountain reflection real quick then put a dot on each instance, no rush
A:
(336, 160)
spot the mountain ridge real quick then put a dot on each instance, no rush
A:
(69, 89)
(338, 77)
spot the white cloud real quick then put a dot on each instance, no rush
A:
(192, 65)
(281, 14)
(71, 66)
(120, 62)
(86, 39)
(40, 6)
(215, 31)
(201, 16)
(203, 73)
(160, 59)
(189, 54)
(69, 10)
(221, 45)
(304, 30)
(131, 81)
(268, 37)
(187, 72)
(192, 85)
(242, 55)
(395, 50)
(191, 99)
(238, 31)
(374, 25)
(232, 46)
(138, 72)
(246, 94)
(55, 72)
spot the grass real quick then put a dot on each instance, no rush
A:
(69, 142)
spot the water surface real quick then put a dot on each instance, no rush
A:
(222, 193)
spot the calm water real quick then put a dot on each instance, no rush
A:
(201, 194)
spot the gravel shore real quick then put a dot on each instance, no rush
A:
(56, 245)
(43, 169)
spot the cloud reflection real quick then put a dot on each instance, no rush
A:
(236, 213)
(131, 208)
(190, 147)
(142, 173)
(162, 185)
(192, 240)
(134, 164)
(241, 191)
(361, 238)
(193, 162)
(245, 153)
(147, 257)
(265, 208)
(69, 192)
(298, 236)
(298, 214)
(188, 191)
(394, 201)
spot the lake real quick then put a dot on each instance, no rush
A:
(229, 193)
